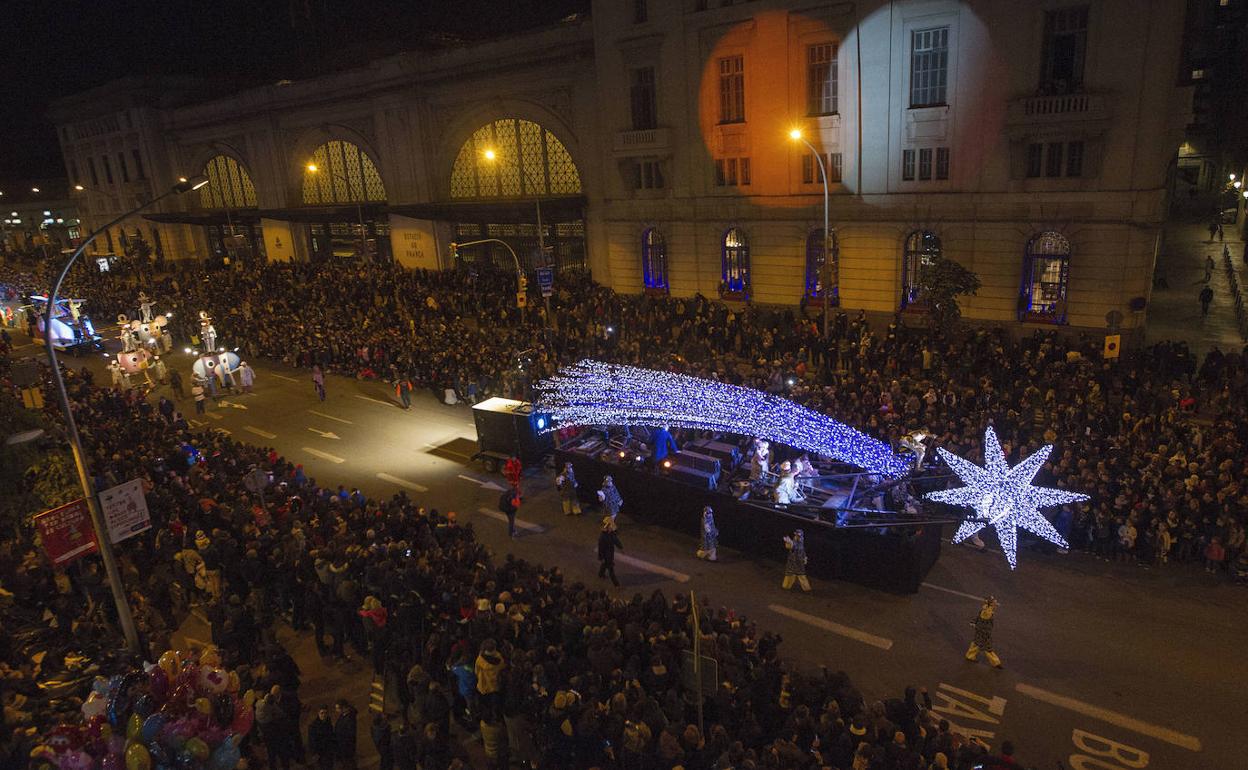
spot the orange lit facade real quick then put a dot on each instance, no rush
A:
(1031, 141)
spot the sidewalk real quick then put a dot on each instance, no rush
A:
(1174, 313)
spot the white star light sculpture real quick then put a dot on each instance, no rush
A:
(1003, 497)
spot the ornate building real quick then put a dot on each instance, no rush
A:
(1030, 141)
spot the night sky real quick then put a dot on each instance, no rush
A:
(53, 49)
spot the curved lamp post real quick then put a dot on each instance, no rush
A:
(80, 464)
(796, 135)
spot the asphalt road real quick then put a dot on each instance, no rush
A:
(1129, 666)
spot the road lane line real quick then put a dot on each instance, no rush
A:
(955, 593)
(657, 569)
(258, 432)
(329, 417)
(836, 628)
(520, 523)
(323, 455)
(376, 400)
(1174, 737)
(214, 415)
(284, 377)
(403, 482)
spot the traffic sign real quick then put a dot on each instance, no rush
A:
(546, 280)
(522, 299)
(125, 510)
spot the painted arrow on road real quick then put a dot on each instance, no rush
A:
(325, 433)
(482, 484)
(231, 404)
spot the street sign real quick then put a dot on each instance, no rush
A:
(1113, 345)
(125, 510)
(66, 533)
(24, 372)
(546, 280)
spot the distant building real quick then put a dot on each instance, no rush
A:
(1031, 142)
(37, 214)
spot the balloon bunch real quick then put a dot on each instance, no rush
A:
(183, 712)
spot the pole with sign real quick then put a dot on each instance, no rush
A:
(125, 510)
(66, 533)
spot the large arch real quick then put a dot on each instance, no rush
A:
(341, 171)
(513, 158)
(229, 184)
(304, 149)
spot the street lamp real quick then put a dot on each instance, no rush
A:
(796, 135)
(80, 463)
(34, 189)
(490, 155)
(359, 206)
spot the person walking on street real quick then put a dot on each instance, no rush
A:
(321, 739)
(403, 390)
(197, 392)
(1213, 230)
(983, 634)
(508, 505)
(709, 548)
(1206, 297)
(318, 381)
(566, 484)
(1209, 265)
(246, 376)
(1220, 234)
(608, 541)
(610, 498)
(795, 566)
(175, 381)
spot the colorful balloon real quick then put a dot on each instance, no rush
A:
(244, 717)
(226, 756)
(197, 748)
(168, 663)
(134, 727)
(94, 705)
(152, 727)
(137, 757)
(203, 706)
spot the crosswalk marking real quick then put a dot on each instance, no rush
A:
(323, 455)
(329, 417)
(403, 482)
(1189, 742)
(848, 632)
(520, 523)
(657, 569)
(258, 432)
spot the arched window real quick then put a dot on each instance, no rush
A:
(229, 185)
(654, 260)
(513, 158)
(1046, 268)
(815, 264)
(344, 174)
(922, 250)
(735, 261)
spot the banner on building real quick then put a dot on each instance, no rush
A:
(125, 510)
(66, 533)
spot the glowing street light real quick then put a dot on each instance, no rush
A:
(34, 189)
(795, 134)
(359, 206)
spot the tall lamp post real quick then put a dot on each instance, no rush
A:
(492, 156)
(359, 205)
(827, 268)
(75, 442)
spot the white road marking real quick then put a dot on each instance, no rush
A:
(657, 569)
(955, 593)
(482, 484)
(520, 523)
(198, 423)
(836, 628)
(231, 404)
(223, 431)
(403, 482)
(325, 434)
(214, 415)
(284, 377)
(258, 432)
(329, 417)
(323, 455)
(375, 400)
(1174, 737)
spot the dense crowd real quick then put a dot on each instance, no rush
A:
(1154, 437)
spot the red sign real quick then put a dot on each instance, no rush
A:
(66, 533)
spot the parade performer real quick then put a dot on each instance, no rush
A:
(207, 332)
(759, 459)
(610, 498)
(795, 566)
(709, 549)
(913, 441)
(983, 634)
(145, 308)
(786, 489)
(162, 371)
(566, 483)
(512, 470)
(663, 444)
(246, 376)
(608, 541)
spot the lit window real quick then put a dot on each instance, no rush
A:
(735, 262)
(529, 160)
(229, 185)
(732, 89)
(815, 270)
(929, 66)
(654, 260)
(821, 86)
(345, 174)
(922, 250)
(1046, 269)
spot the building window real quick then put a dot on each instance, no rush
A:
(821, 87)
(925, 164)
(815, 270)
(640, 12)
(108, 169)
(109, 235)
(810, 167)
(732, 89)
(929, 66)
(73, 171)
(138, 164)
(735, 261)
(907, 165)
(1064, 49)
(95, 177)
(529, 161)
(1035, 159)
(1053, 159)
(921, 251)
(157, 245)
(1046, 269)
(654, 260)
(1074, 159)
(229, 185)
(121, 164)
(345, 174)
(642, 99)
(732, 172)
(942, 162)
(648, 175)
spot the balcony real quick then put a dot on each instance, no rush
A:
(647, 141)
(1057, 108)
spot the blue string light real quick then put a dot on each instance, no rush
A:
(597, 393)
(1004, 497)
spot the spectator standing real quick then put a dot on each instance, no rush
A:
(507, 504)
(608, 541)
(382, 741)
(795, 565)
(318, 382)
(197, 392)
(344, 735)
(321, 739)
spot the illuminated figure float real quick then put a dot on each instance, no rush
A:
(219, 365)
(72, 330)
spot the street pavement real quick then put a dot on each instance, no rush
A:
(1130, 666)
(1174, 310)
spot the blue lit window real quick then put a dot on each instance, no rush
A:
(922, 250)
(735, 261)
(654, 260)
(1046, 271)
(815, 261)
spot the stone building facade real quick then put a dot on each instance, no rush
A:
(1030, 141)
